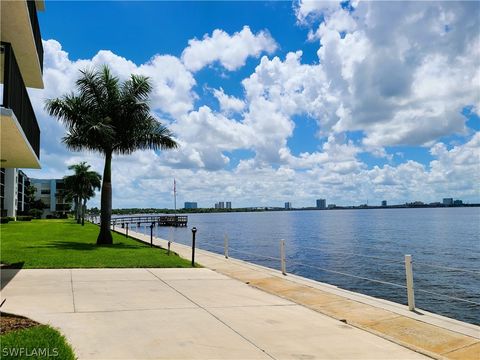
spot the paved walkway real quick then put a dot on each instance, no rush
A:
(431, 334)
(182, 314)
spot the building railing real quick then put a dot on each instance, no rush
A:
(32, 10)
(15, 97)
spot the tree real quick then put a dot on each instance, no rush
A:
(86, 196)
(29, 196)
(81, 186)
(109, 117)
(71, 193)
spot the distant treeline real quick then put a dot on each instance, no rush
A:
(132, 211)
(180, 211)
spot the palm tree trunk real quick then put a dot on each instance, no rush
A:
(75, 210)
(79, 210)
(105, 236)
(84, 206)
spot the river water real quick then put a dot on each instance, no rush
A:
(330, 245)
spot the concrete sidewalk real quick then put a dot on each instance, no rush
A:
(430, 334)
(182, 314)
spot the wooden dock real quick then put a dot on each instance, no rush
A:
(163, 220)
(176, 221)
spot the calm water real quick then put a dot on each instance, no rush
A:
(346, 241)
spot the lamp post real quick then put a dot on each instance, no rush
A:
(194, 231)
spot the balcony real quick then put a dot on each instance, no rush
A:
(20, 28)
(37, 37)
(20, 134)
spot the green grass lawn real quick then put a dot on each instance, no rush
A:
(38, 342)
(65, 244)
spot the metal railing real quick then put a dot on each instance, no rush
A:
(15, 97)
(32, 12)
(407, 262)
(163, 220)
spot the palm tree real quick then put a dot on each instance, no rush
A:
(71, 193)
(81, 186)
(87, 196)
(109, 117)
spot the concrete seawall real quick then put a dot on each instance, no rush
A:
(427, 333)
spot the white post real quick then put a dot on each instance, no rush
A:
(282, 257)
(409, 275)
(225, 244)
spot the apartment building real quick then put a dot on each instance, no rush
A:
(52, 194)
(21, 60)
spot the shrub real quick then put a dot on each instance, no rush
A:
(4, 219)
(50, 216)
(36, 213)
(24, 218)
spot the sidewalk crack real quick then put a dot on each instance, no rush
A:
(214, 316)
(73, 292)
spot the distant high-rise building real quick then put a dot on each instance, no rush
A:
(447, 201)
(384, 202)
(458, 202)
(229, 205)
(221, 205)
(321, 204)
(332, 206)
(288, 205)
(216, 205)
(190, 205)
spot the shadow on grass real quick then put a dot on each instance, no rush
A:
(8, 272)
(72, 245)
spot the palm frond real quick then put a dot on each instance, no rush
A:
(108, 116)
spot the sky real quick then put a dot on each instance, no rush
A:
(355, 102)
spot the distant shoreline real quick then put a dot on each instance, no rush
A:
(131, 211)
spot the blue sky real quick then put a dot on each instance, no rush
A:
(280, 101)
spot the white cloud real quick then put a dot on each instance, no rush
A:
(230, 51)
(172, 84)
(205, 135)
(172, 91)
(308, 9)
(401, 72)
(228, 103)
(391, 73)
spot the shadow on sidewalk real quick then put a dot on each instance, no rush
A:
(8, 272)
